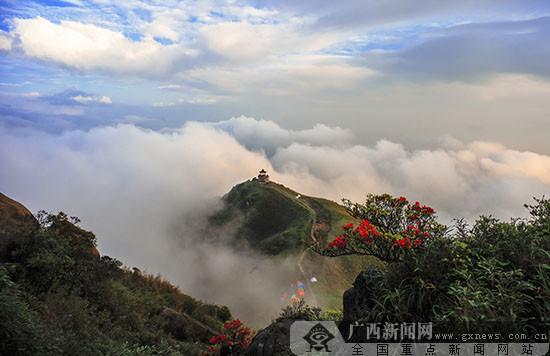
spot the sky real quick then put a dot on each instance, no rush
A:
(404, 71)
(137, 116)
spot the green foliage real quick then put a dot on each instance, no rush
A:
(271, 219)
(251, 209)
(274, 219)
(58, 297)
(389, 229)
(332, 314)
(20, 326)
(299, 311)
(494, 271)
(393, 214)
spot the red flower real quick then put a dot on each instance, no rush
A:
(347, 226)
(234, 324)
(338, 242)
(366, 230)
(403, 243)
(235, 334)
(427, 210)
(399, 243)
(402, 200)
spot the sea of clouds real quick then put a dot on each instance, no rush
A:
(146, 194)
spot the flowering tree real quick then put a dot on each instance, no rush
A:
(235, 338)
(388, 227)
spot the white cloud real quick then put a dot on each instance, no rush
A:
(86, 99)
(508, 85)
(89, 47)
(169, 86)
(245, 41)
(144, 192)
(105, 100)
(479, 178)
(165, 24)
(292, 75)
(500, 161)
(32, 94)
(190, 99)
(459, 179)
(268, 135)
(20, 84)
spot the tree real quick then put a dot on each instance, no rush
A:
(491, 277)
(388, 228)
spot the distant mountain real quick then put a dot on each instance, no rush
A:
(275, 220)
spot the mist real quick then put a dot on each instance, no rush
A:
(147, 194)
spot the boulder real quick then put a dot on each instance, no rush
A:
(272, 341)
(15, 221)
(358, 301)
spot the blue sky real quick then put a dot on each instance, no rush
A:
(296, 63)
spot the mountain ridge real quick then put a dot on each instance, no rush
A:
(252, 207)
(276, 219)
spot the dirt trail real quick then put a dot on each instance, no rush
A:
(308, 284)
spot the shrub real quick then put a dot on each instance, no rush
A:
(299, 311)
(493, 273)
(389, 228)
(234, 339)
(57, 297)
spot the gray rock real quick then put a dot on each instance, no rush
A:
(358, 301)
(272, 341)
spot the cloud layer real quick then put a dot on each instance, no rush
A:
(387, 69)
(359, 97)
(146, 193)
(89, 47)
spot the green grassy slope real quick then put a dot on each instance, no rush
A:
(274, 221)
(270, 217)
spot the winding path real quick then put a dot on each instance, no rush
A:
(308, 284)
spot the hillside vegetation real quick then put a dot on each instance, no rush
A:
(462, 278)
(275, 220)
(491, 278)
(58, 297)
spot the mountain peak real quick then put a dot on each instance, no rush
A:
(274, 219)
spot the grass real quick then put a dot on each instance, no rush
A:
(273, 221)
